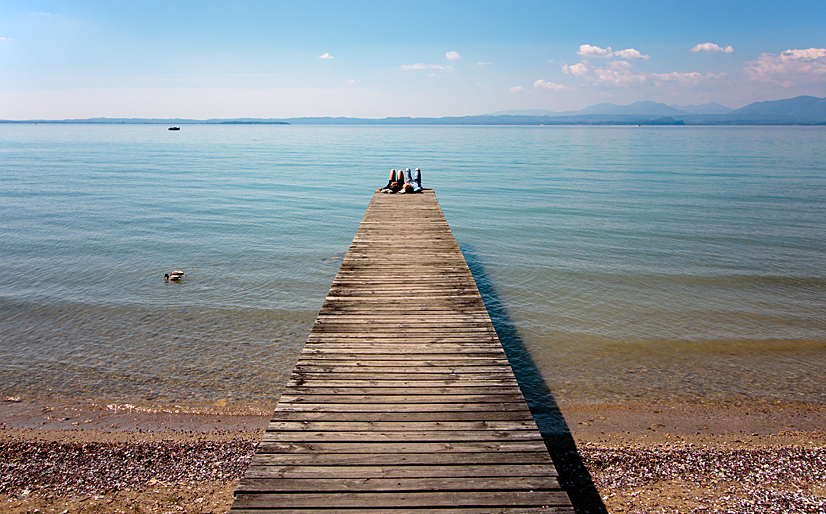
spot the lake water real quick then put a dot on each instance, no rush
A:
(656, 264)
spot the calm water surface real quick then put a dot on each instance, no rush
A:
(634, 264)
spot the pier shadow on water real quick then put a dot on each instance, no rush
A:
(573, 475)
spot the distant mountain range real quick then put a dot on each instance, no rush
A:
(801, 110)
(644, 108)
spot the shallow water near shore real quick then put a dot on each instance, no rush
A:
(652, 264)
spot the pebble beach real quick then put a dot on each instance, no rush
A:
(85, 457)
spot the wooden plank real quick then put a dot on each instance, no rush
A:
(395, 459)
(296, 415)
(402, 499)
(454, 510)
(402, 399)
(462, 470)
(471, 483)
(395, 437)
(391, 407)
(370, 448)
(441, 399)
(397, 426)
(320, 389)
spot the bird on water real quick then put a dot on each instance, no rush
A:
(174, 276)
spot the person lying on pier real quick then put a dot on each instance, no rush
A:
(395, 184)
(414, 184)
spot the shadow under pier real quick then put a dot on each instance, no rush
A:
(573, 475)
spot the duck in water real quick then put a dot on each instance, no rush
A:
(174, 276)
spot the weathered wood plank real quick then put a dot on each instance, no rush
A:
(402, 399)
(455, 510)
(461, 470)
(397, 426)
(403, 459)
(317, 389)
(391, 407)
(491, 415)
(403, 499)
(370, 448)
(470, 483)
(441, 399)
(395, 437)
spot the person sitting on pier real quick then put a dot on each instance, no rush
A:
(395, 184)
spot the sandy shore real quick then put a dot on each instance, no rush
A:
(84, 457)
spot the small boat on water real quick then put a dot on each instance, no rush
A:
(174, 128)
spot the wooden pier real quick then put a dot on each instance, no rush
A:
(402, 399)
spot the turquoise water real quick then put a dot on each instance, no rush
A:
(653, 264)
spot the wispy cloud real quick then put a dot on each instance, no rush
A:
(420, 66)
(620, 65)
(517, 89)
(483, 64)
(790, 68)
(548, 85)
(576, 70)
(325, 55)
(713, 47)
(589, 51)
(453, 56)
(620, 74)
(350, 81)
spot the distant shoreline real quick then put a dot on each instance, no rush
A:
(510, 121)
(801, 110)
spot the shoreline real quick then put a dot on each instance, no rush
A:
(682, 458)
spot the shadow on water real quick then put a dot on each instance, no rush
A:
(573, 475)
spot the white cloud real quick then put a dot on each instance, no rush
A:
(689, 79)
(605, 53)
(517, 89)
(453, 56)
(620, 74)
(2, 39)
(548, 85)
(630, 53)
(712, 47)
(483, 64)
(617, 78)
(620, 65)
(790, 68)
(577, 70)
(809, 54)
(351, 81)
(420, 66)
(325, 56)
(594, 51)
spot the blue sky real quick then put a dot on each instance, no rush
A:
(375, 59)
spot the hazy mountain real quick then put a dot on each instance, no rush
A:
(645, 108)
(791, 111)
(527, 112)
(709, 108)
(804, 108)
